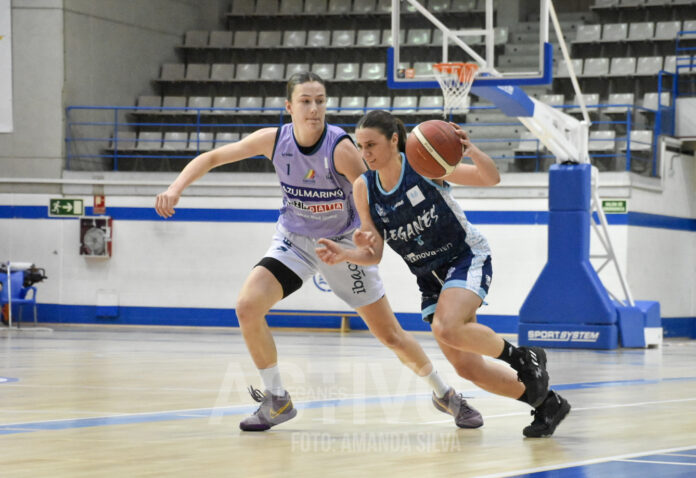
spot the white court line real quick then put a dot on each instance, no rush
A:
(593, 461)
(659, 462)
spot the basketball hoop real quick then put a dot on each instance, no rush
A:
(455, 79)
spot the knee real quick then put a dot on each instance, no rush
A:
(447, 329)
(392, 338)
(248, 311)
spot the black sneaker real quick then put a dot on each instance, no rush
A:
(547, 416)
(531, 371)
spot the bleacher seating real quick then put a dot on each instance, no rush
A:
(617, 49)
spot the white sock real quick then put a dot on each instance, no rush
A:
(271, 380)
(439, 386)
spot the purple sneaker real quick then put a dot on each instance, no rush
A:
(454, 404)
(272, 411)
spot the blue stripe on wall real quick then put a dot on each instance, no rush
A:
(207, 317)
(271, 215)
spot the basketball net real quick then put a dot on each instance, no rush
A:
(455, 79)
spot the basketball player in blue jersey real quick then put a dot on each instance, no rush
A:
(316, 164)
(421, 221)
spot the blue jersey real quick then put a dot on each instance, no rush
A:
(421, 221)
(317, 199)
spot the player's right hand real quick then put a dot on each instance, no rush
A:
(165, 202)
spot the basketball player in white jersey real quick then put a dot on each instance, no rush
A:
(316, 164)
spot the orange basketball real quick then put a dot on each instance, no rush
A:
(433, 149)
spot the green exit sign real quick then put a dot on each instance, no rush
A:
(66, 207)
(615, 206)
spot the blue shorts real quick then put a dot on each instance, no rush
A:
(472, 272)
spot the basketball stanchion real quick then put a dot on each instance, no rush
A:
(455, 80)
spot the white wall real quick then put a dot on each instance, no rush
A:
(203, 264)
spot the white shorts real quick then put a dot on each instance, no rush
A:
(356, 285)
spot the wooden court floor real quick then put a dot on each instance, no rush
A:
(98, 401)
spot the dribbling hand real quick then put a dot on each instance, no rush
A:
(165, 202)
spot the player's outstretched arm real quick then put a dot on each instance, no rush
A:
(483, 172)
(370, 244)
(258, 143)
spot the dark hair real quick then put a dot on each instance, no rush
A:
(387, 124)
(302, 77)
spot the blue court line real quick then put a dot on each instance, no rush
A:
(130, 419)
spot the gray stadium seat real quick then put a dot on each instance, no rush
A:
(553, 99)
(641, 140)
(178, 103)
(590, 100)
(244, 39)
(318, 38)
(606, 3)
(247, 71)
(373, 71)
(274, 105)
(364, 6)
(387, 36)
(269, 38)
(648, 65)
(222, 72)
(202, 141)
(384, 6)
(349, 103)
(200, 102)
(562, 68)
(602, 140)
(272, 71)
(667, 30)
(619, 99)
(266, 7)
(622, 67)
(242, 7)
(225, 137)
(196, 38)
(250, 105)
(418, 36)
(175, 140)
(325, 70)
(641, 31)
(220, 39)
(430, 104)
(343, 38)
(224, 102)
(368, 38)
(614, 31)
(595, 67)
(408, 104)
(315, 7)
(650, 100)
(528, 144)
(332, 105)
(347, 71)
(290, 7)
(294, 38)
(464, 6)
(378, 102)
(198, 72)
(632, 3)
(173, 71)
(339, 6)
(293, 68)
(670, 64)
(438, 5)
(422, 68)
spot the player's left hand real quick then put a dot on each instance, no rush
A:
(331, 253)
(468, 148)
